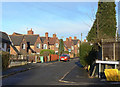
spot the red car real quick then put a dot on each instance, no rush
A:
(64, 57)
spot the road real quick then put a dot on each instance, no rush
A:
(49, 74)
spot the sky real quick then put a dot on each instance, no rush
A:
(63, 18)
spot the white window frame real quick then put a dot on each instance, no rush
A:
(56, 45)
(38, 45)
(72, 47)
(45, 46)
(23, 46)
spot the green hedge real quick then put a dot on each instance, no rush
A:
(5, 59)
(46, 52)
(67, 52)
(87, 54)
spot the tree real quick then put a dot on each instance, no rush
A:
(61, 47)
(46, 52)
(104, 25)
(87, 54)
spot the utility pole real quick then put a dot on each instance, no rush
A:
(81, 37)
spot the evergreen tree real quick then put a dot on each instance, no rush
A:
(61, 47)
(104, 25)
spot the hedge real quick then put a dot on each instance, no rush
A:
(46, 52)
(5, 59)
(67, 52)
(87, 54)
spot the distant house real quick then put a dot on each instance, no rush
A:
(72, 46)
(4, 42)
(76, 43)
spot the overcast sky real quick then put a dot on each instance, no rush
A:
(63, 18)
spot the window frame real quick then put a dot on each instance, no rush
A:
(38, 46)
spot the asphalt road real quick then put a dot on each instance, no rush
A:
(55, 73)
(46, 74)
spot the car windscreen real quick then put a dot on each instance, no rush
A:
(64, 55)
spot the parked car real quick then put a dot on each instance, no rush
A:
(65, 57)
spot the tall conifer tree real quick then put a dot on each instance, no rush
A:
(104, 25)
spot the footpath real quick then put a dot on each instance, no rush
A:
(79, 76)
(18, 69)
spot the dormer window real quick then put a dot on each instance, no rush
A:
(23, 46)
(38, 45)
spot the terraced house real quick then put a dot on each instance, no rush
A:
(72, 45)
(31, 43)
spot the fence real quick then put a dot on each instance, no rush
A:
(111, 49)
(17, 59)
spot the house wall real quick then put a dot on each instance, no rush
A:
(32, 47)
(56, 48)
(5, 47)
(51, 47)
(37, 50)
(12, 51)
(23, 51)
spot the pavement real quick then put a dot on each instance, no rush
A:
(18, 69)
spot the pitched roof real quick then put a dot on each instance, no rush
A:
(16, 39)
(52, 41)
(31, 38)
(4, 37)
(16, 33)
(75, 41)
(68, 44)
(42, 39)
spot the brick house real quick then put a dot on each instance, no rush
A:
(32, 43)
(76, 43)
(72, 45)
(51, 43)
(25, 44)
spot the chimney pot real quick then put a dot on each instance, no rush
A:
(70, 38)
(30, 31)
(54, 35)
(67, 39)
(46, 35)
(75, 37)
(84, 40)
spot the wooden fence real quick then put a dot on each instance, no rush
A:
(111, 49)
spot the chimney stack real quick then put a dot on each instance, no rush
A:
(75, 37)
(46, 35)
(54, 35)
(84, 40)
(67, 39)
(30, 32)
(70, 38)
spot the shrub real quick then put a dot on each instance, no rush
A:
(5, 59)
(46, 52)
(87, 54)
(67, 52)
